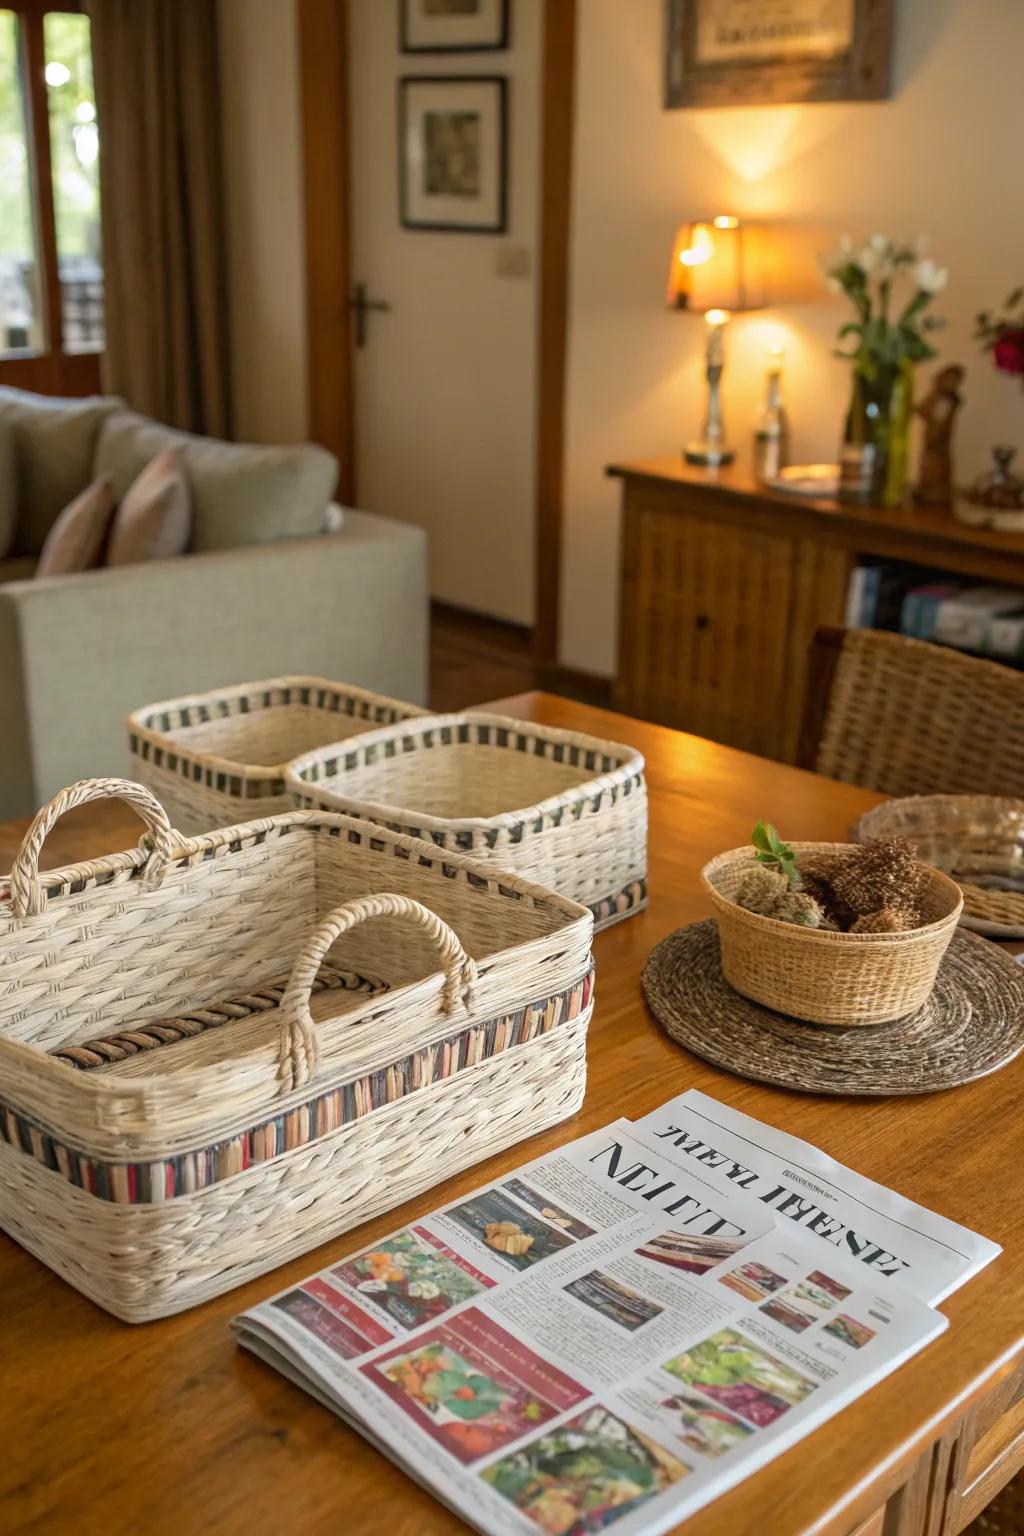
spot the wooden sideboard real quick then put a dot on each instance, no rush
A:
(723, 583)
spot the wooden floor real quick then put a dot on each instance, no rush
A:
(474, 658)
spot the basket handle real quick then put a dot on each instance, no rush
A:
(158, 842)
(299, 1057)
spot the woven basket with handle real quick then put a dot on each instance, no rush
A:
(844, 979)
(217, 758)
(166, 1176)
(567, 810)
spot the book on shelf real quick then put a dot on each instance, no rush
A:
(1004, 640)
(927, 605)
(920, 608)
(624, 1328)
(965, 620)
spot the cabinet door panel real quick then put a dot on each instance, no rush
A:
(707, 606)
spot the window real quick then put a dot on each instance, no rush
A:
(51, 274)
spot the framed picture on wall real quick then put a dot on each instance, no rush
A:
(745, 53)
(453, 26)
(452, 152)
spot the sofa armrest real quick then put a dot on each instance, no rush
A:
(81, 652)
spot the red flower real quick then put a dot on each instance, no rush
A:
(1008, 352)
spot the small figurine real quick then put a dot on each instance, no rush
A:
(938, 411)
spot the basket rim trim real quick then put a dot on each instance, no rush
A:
(582, 985)
(878, 814)
(823, 936)
(631, 768)
(137, 721)
(223, 842)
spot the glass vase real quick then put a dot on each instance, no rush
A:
(875, 460)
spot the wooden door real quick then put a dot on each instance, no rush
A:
(705, 626)
(444, 328)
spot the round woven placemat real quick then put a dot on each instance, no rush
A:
(972, 1024)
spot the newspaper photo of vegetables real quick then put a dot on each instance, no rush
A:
(741, 1376)
(703, 1427)
(472, 1386)
(583, 1476)
(850, 1331)
(412, 1277)
(473, 1409)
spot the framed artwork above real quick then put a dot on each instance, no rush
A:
(453, 26)
(452, 152)
(745, 53)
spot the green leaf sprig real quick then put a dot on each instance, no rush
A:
(772, 851)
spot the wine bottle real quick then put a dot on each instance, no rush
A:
(771, 431)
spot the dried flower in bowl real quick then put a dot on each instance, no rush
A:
(873, 887)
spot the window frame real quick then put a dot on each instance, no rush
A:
(48, 370)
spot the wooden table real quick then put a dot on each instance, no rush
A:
(169, 1429)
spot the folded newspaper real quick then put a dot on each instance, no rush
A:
(623, 1329)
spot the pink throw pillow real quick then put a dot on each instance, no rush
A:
(154, 520)
(75, 542)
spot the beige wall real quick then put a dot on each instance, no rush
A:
(943, 157)
(260, 103)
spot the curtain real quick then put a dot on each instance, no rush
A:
(164, 257)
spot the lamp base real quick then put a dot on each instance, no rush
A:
(713, 455)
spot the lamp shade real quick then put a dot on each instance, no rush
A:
(715, 265)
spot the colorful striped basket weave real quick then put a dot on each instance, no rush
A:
(567, 810)
(175, 1120)
(214, 759)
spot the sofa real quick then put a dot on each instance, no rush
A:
(264, 589)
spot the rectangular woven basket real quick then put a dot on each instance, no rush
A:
(566, 810)
(214, 759)
(298, 1023)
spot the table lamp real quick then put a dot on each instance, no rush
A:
(715, 273)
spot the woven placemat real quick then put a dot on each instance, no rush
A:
(972, 1024)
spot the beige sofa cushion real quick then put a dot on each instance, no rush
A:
(154, 520)
(241, 494)
(75, 542)
(54, 442)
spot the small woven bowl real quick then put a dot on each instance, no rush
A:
(843, 979)
(978, 840)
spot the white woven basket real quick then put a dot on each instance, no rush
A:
(566, 810)
(214, 759)
(453, 1024)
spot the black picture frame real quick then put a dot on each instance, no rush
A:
(862, 72)
(501, 42)
(499, 225)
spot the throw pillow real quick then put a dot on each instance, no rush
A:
(154, 520)
(54, 444)
(75, 542)
(241, 494)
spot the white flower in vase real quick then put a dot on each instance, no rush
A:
(930, 277)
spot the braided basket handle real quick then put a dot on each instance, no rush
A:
(158, 842)
(299, 1057)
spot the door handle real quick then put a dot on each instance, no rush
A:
(360, 305)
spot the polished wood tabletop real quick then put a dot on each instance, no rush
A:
(170, 1429)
